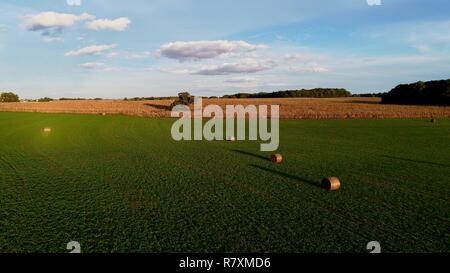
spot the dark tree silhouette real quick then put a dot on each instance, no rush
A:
(9, 97)
(420, 93)
(303, 93)
(184, 98)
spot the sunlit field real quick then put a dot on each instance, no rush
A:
(121, 184)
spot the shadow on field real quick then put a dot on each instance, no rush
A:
(290, 176)
(416, 161)
(251, 154)
(158, 106)
(365, 102)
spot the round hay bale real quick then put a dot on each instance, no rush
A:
(276, 158)
(47, 130)
(231, 138)
(331, 183)
(102, 114)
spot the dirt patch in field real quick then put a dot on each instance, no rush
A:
(291, 108)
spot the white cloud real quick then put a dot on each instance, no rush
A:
(74, 3)
(246, 66)
(53, 39)
(130, 55)
(92, 65)
(119, 24)
(198, 50)
(179, 71)
(241, 80)
(313, 69)
(286, 60)
(98, 66)
(300, 57)
(90, 50)
(53, 20)
(111, 69)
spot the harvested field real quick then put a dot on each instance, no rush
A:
(291, 108)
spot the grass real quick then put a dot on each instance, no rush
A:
(121, 184)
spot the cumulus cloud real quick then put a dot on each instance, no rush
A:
(119, 24)
(247, 66)
(198, 50)
(45, 21)
(90, 50)
(74, 3)
(279, 63)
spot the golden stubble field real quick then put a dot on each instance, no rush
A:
(291, 108)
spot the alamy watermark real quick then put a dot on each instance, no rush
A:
(236, 118)
(74, 247)
(374, 2)
(374, 247)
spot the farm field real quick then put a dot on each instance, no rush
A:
(121, 184)
(290, 108)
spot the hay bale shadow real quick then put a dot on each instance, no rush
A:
(289, 176)
(158, 106)
(364, 102)
(252, 155)
(416, 161)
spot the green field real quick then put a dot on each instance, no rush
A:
(121, 184)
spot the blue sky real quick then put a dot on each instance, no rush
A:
(116, 49)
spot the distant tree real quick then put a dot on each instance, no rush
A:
(369, 95)
(184, 98)
(69, 99)
(46, 99)
(9, 97)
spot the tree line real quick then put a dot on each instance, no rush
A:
(302, 93)
(420, 93)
